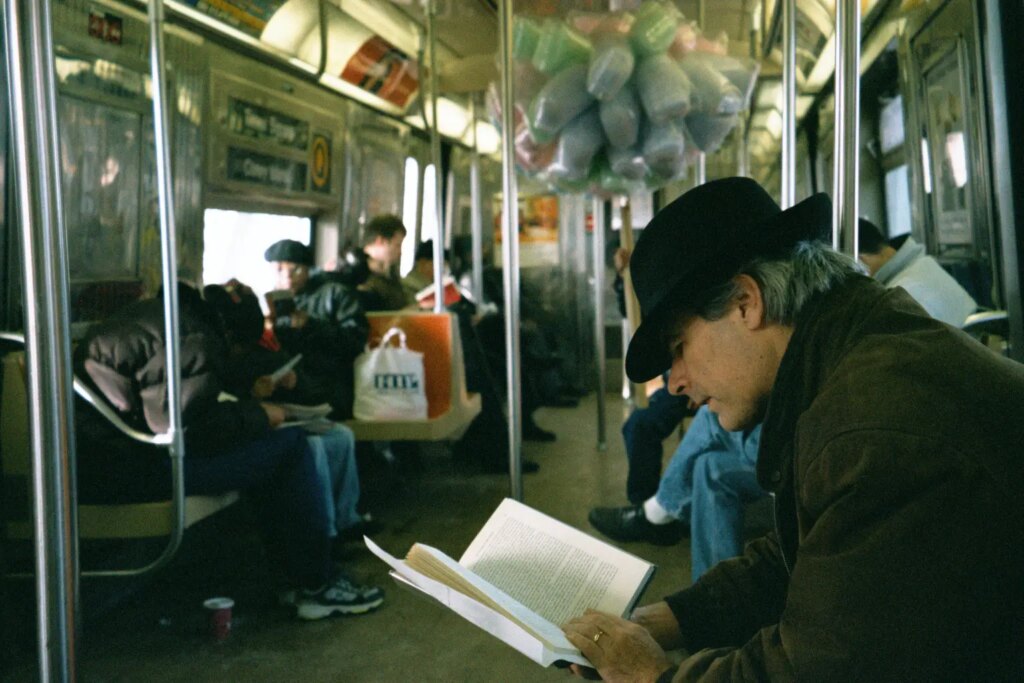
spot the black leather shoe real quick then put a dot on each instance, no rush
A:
(532, 432)
(630, 524)
(529, 467)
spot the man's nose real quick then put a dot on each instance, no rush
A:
(677, 380)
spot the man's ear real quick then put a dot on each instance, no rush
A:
(750, 302)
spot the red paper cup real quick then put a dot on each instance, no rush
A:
(219, 610)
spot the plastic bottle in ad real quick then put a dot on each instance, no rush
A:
(560, 46)
(620, 118)
(663, 87)
(654, 27)
(611, 65)
(664, 148)
(562, 99)
(579, 142)
(712, 92)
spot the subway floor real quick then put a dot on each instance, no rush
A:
(157, 632)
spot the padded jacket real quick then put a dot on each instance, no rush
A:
(329, 342)
(123, 358)
(894, 447)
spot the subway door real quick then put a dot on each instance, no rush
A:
(942, 80)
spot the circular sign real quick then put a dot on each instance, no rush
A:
(321, 173)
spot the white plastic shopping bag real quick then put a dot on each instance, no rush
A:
(389, 382)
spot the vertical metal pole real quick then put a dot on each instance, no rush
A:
(169, 264)
(702, 159)
(845, 190)
(510, 255)
(743, 164)
(788, 194)
(34, 143)
(435, 156)
(476, 213)
(599, 346)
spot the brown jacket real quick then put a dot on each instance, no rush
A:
(894, 446)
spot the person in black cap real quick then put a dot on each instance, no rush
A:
(891, 443)
(328, 326)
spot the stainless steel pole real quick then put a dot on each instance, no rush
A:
(599, 345)
(169, 265)
(510, 254)
(702, 159)
(435, 156)
(845, 190)
(788, 193)
(29, 44)
(476, 213)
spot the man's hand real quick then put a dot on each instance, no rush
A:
(299, 319)
(661, 623)
(621, 259)
(263, 387)
(275, 413)
(288, 380)
(620, 650)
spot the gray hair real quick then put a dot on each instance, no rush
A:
(786, 283)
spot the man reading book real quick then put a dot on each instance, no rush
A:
(898, 552)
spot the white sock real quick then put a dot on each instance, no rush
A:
(656, 514)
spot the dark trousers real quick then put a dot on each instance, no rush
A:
(643, 433)
(278, 472)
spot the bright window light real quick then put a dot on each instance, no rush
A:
(234, 242)
(957, 155)
(412, 171)
(926, 166)
(429, 225)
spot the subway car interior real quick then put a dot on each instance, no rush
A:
(175, 159)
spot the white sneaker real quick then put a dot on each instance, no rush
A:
(340, 596)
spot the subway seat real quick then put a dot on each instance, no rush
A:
(113, 521)
(450, 409)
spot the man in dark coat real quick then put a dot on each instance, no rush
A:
(328, 327)
(891, 443)
(229, 445)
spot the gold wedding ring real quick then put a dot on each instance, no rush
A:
(597, 636)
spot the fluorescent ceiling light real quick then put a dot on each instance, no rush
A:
(453, 118)
(488, 140)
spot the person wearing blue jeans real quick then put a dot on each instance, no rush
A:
(334, 453)
(642, 435)
(229, 445)
(711, 476)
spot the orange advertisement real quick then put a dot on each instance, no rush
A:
(384, 70)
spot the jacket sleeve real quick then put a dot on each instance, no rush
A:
(338, 326)
(874, 593)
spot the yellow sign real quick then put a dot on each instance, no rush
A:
(321, 163)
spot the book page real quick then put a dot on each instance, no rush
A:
(553, 569)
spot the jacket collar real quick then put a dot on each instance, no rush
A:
(825, 329)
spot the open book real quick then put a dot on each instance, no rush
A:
(523, 576)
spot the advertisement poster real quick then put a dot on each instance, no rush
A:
(250, 16)
(538, 231)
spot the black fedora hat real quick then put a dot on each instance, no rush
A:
(700, 241)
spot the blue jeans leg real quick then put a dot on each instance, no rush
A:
(675, 490)
(279, 473)
(642, 434)
(335, 455)
(723, 483)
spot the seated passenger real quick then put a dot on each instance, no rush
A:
(250, 371)
(229, 445)
(711, 477)
(329, 328)
(901, 262)
(889, 440)
(422, 274)
(382, 242)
